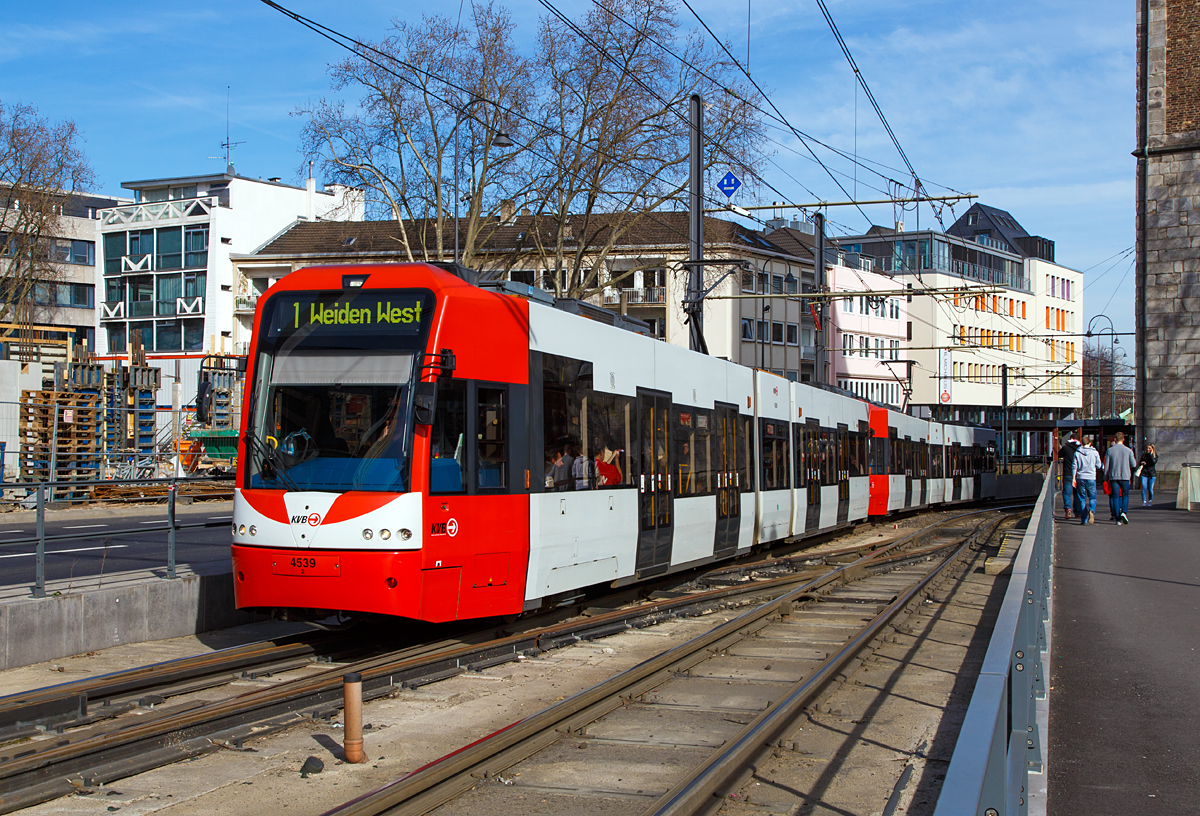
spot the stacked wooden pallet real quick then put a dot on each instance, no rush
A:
(61, 437)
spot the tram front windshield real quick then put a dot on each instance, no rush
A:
(331, 401)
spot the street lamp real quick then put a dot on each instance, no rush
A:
(1112, 344)
(499, 140)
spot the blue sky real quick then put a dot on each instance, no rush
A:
(1029, 104)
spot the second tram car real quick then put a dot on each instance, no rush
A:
(420, 447)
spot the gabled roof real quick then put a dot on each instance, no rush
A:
(661, 231)
(999, 224)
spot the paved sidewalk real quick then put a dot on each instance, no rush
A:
(1125, 673)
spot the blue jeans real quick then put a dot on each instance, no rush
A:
(1085, 495)
(1147, 489)
(1068, 496)
(1118, 498)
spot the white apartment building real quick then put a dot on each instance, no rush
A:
(166, 277)
(1014, 307)
(869, 350)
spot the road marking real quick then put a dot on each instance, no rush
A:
(12, 531)
(152, 522)
(55, 552)
(221, 518)
(82, 526)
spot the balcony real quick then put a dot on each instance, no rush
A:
(245, 303)
(189, 305)
(651, 295)
(141, 308)
(159, 211)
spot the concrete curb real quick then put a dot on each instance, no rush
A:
(96, 613)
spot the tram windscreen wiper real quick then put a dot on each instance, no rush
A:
(269, 460)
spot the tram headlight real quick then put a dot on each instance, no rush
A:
(242, 530)
(385, 534)
(367, 534)
(405, 533)
(253, 530)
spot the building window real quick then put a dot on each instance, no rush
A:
(762, 331)
(170, 249)
(848, 305)
(65, 250)
(777, 333)
(170, 336)
(793, 334)
(195, 245)
(141, 334)
(748, 328)
(792, 286)
(777, 284)
(193, 335)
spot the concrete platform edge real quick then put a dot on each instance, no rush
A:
(68, 623)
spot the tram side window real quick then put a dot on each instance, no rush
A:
(694, 448)
(746, 449)
(587, 432)
(448, 450)
(899, 454)
(828, 457)
(936, 470)
(492, 433)
(774, 454)
(878, 449)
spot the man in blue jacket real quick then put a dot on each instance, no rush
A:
(1086, 463)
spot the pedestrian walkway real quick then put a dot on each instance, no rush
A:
(1125, 670)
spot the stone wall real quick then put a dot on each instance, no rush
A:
(1169, 330)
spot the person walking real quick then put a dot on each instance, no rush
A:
(1118, 471)
(1147, 472)
(1086, 463)
(1066, 455)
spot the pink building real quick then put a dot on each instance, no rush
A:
(868, 333)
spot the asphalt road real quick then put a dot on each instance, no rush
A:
(1125, 675)
(97, 546)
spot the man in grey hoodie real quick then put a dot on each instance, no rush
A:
(1087, 460)
(1118, 470)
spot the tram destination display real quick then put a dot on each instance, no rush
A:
(335, 318)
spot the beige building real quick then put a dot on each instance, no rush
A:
(748, 317)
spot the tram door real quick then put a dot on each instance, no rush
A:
(843, 471)
(956, 470)
(907, 447)
(656, 508)
(725, 419)
(809, 441)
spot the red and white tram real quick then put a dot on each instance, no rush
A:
(420, 447)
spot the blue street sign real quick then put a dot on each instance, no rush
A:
(729, 185)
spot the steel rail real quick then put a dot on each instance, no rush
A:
(42, 770)
(697, 790)
(442, 780)
(67, 703)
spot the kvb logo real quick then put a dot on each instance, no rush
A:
(441, 528)
(312, 520)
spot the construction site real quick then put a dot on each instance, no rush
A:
(71, 420)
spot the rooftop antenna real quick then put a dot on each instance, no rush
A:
(227, 144)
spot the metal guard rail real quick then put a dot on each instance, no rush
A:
(1000, 744)
(40, 539)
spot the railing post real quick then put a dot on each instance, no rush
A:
(171, 530)
(54, 451)
(39, 586)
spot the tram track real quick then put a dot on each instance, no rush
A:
(84, 757)
(709, 706)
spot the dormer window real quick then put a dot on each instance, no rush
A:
(972, 219)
